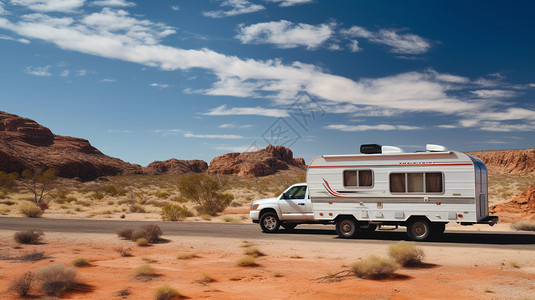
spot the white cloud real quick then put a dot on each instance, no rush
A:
(159, 85)
(166, 132)
(383, 127)
(248, 148)
(2, 9)
(39, 71)
(119, 3)
(286, 3)
(232, 125)
(238, 7)
(82, 72)
(9, 38)
(354, 46)
(494, 94)
(118, 131)
(401, 43)
(285, 34)
(447, 126)
(108, 80)
(256, 111)
(50, 5)
(501, 127)
(213, 136)
(64, 73)
(175, 7)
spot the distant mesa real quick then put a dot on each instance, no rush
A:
(174, 167)
(260, 163)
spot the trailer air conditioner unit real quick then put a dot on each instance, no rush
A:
(391, 150)
(435, 148)
(371, 149)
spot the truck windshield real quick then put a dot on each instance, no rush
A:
(297, 192)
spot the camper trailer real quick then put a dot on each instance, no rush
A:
(385, 186)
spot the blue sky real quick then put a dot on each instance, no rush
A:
(153, 80)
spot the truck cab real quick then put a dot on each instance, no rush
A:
(289, 209)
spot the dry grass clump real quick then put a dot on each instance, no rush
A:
(254, 252)
(145, 273)
(33, 256)
(247, 261)
(151, 232)
(206, 278)
(142, 242)
(124, 251)
(80, 262)
(187, 255)
(28, 237)
(125, 233)
(374, 267)
(524, 226)
(172, 212)
(30, 210)
(166, 292)
(406, 254)
(55, 279)
(22, 285)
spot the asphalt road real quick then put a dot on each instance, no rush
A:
(303, 233)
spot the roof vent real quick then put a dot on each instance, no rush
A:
(435, 148)
(391, 150)
(370, 149)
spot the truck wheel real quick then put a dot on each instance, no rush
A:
(269, 222)
(346, 228)
(419, 229)
(289, 226)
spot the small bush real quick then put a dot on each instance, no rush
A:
(172, 212)
(80, 262)
(30, 210)
(28, 237)
(163, 195)
(142, 242)
(137, 208)
(206, 217)
(33, 256)
(406, 254)
(55, 279)
(205, 191)
(97, 196)
(374, 267)
(247, 261)
(83, 203)
(125, 233)
(254, 252)
(145, 273)
(206, 278)
(524, 226)
(22, 285)
(153, 232)
(165, 292)
(124, 251)
(187, 255)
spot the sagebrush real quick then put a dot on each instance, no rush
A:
(28, 236)
(374, 267)
(406, 254)
(55, 279)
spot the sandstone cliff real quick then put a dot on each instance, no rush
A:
(508, 161)
(175, 167)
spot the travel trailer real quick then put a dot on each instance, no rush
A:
(384, 186)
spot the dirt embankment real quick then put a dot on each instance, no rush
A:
(520, 161)
(518, 209)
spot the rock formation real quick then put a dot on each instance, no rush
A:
(175, 167)
(24, 144)
(519, 208)
(260, 163)
(508, 161)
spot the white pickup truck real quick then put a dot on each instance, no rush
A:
(291, 208)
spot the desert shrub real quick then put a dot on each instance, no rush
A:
(111, 202)
(124, 251)
(524, 225)
(205, 191)
(83, 203)
(59, 196)
(163, 195)
(206, 278)
(33, 256)
(28, 236)
(374, 267)
(406, 254)
(142, 242)
(71, 199)
(80, 262)
(152, 232)
(55, 279)
(172, 212)
(137, 208)
(30, 210)
(4, 209)
(187, 255)
(112, 190)
(179, 199)
(165, 292)
(253, 252)
(38, 182)
(22, 284)
(206, 217)
(125, 233)
(97, 195)
(7, 180)
(145, 273)
(247, 261)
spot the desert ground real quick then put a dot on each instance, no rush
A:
(201, 267)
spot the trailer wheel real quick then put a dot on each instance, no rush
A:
(269, 222)
(419, 229)
(289, 226)
(346, 228)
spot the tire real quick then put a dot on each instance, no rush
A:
(437, 229)
(347, 228)
(289, 226)
(269, 222)
(419, 229)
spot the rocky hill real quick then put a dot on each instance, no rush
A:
(24, 144)
(175, 166)
(260, 163)
(508, 161)
(519, 208)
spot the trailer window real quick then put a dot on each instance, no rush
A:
(358, 178)
(416, 182)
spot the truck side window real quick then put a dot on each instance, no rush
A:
(358, 178)
(297, 192)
